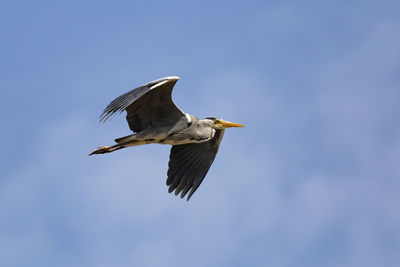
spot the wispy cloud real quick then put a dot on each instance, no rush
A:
(311, 181)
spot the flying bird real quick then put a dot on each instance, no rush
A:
(154, 118)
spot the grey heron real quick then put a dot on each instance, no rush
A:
(154, 118)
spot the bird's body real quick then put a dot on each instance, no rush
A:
(154, 117)
(183, 132)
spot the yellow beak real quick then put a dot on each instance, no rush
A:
(228, 124)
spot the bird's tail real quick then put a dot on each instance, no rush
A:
(106, 149)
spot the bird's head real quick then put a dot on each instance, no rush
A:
(220, 124)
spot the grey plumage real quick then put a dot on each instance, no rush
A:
(155, 118)
(189, 164)
(155, 107)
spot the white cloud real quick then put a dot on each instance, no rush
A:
(310, 181)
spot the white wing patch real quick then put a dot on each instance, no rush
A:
(158, 84)
(189, 119)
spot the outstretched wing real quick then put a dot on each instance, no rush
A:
(189, 164)
(148, 105)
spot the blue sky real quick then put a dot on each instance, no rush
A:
(313, 180)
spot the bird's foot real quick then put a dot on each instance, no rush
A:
(101, 150)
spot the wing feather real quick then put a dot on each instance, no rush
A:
(189, 164)
(147, 105)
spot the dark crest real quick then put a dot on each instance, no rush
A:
(211, 118)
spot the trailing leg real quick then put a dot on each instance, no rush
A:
(106, 149)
